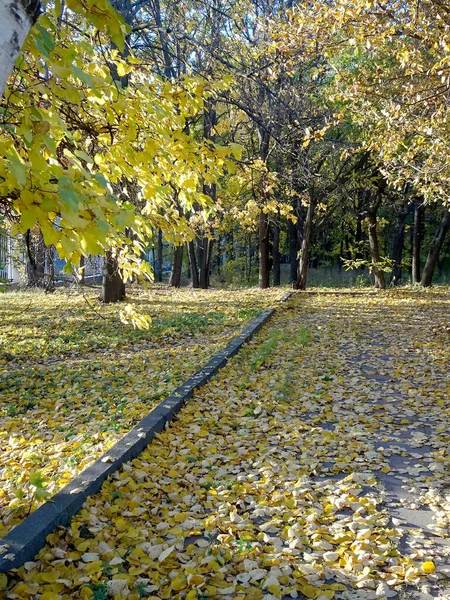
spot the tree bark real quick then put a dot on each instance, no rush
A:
(276, 253)
(193, 264)
(435, 248)
(81, 272)
(398, 246)
(36, 251)
(264, 262)
(16, 18)
(302, 273)
(113, 287)
(205, 261)
(293, 251)
(159, 257)
(418, 230)
(175, 276)
(264, 267)
(380, 281)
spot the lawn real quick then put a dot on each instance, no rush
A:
(74, 378)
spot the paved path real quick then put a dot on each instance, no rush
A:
(317, 465)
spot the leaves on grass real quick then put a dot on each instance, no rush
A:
(74, 378)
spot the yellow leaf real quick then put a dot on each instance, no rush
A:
(178, 584)
(428, 567)
(3, 581)
(50, 577)
(50, 596)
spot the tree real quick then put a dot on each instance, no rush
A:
(94, 163)
(17, 19)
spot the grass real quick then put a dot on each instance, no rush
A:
(74, 378)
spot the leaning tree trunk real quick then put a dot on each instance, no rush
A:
(175, 276)
(375, 250)
(418, 230)
(113, 287)
(302, 273)
(16, 18)
(276, 253)
(435, 248)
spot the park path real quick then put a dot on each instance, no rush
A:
(316, 464)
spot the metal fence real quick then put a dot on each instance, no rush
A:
(4, 255)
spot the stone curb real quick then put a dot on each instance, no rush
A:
(26, 539)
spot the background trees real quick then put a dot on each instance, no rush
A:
(232, 139)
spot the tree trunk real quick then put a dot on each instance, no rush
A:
(293, 251)
(113, 287)
(264, 262)
(81, 272)
(435, 248)
(16, 18)
(302, 273)
(375, 249)
(398, 245)
(50, 262)
(276, 253)
(175, 276)
(418, 230)
(36, 252)
(264, 268)
(194, 267)
(205, 261)
(159, 257)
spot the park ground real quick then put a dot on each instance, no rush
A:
(314, 465)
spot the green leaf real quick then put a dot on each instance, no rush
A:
(27, 220)
(17, 168)
(69, 197)
(82, 76)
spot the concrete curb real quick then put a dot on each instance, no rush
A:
(24, 541)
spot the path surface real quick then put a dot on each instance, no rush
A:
(317, 465)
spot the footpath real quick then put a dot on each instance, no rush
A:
(316, 464)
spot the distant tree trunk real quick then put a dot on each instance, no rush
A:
(398, 245)
(81, 272)
(219, 256)
(193, 264)
(113, 287)
(435, 248)
(293, 251)
(302, 273)
(264, 265)
(418, 230)
(175, 276)
(159, 257)
(374, 247)
(35, 248)
(263, 230)
(276, 253)
(205, 262)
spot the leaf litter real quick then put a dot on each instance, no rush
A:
(74, 379)
(297, 472)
